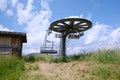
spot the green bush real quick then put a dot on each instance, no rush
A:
(29, 59)
(11, 68)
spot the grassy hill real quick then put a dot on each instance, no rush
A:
(99, 65)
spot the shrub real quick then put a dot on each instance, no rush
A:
(29, 59)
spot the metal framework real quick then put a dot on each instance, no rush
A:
(72, 28)
(48, 47)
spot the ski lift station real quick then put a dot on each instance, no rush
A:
(69, 28)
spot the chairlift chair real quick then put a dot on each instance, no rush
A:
(48, 47)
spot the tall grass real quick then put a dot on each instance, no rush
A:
(11, 68)
(105, 72)
(103, 56)
(106, 65)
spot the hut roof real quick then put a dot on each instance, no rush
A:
(20, 35)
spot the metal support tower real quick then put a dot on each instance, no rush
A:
(69, 26)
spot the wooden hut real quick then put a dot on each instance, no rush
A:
(11, 43)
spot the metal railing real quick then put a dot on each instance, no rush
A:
(48, 50)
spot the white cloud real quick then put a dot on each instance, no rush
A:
(115, 36)
(24, 15)
(89, 16)
(7, 6)
(29, 6)
(37, 21)
(37, 26)
(81, 16)
(3, 5)
(72, 50)
(14, 2)
(101, 33)
(2, 28)
(10, 12)
(45, 4)
(97, 33)
(100, 36)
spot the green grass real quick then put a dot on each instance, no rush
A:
(103, 64)
(33, 59)
(106, 72)
(11, 68)
(103, 56)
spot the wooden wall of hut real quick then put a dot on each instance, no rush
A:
(13, 46)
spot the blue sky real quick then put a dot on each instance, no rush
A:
(35, 16)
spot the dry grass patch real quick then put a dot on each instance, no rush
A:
(60, 71)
